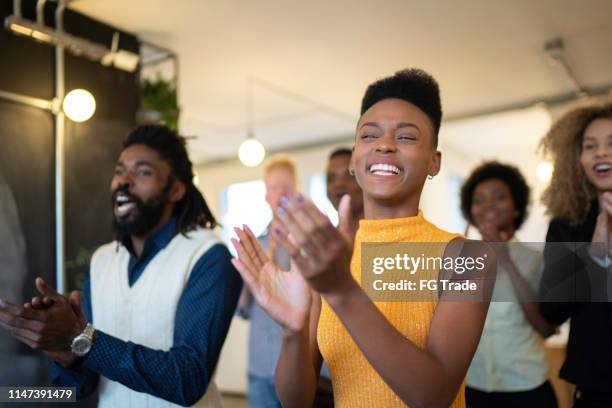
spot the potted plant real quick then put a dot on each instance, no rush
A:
(159, 103)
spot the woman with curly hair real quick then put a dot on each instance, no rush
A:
(509, 368)
(576, 276)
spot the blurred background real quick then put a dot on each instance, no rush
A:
(283, 75)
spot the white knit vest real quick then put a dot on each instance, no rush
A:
(144, 313)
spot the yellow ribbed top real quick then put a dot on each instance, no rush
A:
(355, 382)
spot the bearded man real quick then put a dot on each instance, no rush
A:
(157, 302)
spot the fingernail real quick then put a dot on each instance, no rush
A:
(277, 231)
(284, 201)
(299, 198)
(281, 211)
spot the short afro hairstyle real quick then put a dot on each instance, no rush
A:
(411, 85)
(507, 174)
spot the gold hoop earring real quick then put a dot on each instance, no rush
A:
(430, 177)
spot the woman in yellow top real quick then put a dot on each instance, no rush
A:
(379, 354)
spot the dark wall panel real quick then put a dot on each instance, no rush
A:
(27, 181)
(91, 151)
(26, 67)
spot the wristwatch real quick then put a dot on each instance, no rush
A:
(81, 344)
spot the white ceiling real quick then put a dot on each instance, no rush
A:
(485, 54)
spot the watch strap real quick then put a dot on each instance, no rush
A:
(89, 331)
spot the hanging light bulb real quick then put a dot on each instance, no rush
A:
(251, 152)
(544, 171)
(79, 105)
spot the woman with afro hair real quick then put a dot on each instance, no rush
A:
(509, 368)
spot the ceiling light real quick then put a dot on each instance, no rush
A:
(79, 105)
(40, 36)
(251, 152)
(126, 61)
(121, 59)
(21, 29)
(544, 171)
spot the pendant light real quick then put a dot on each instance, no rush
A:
(251, 152)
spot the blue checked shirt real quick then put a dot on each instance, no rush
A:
(203, 316)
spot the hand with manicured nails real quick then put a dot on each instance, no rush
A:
(284, 295)
(320, 256)
(321, 252)
(49, 326)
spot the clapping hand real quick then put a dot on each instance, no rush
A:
(498, 239)
(320, 258)
(321, 252)
(602, 236)
(284, 295)
(48, 324)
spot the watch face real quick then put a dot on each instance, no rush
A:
(81, 346)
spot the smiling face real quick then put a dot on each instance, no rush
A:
(394, 153)
(143, 194)
(492, 203)
(596, 154)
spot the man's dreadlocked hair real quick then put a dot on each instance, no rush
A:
(192, 211)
